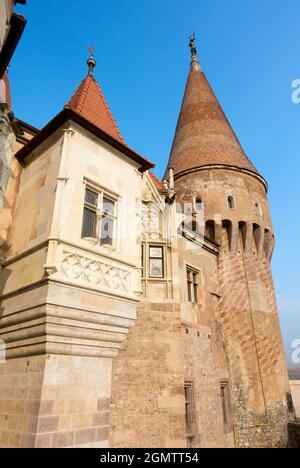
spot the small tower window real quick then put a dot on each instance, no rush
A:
(198, 203)
(231, 203)
(258, 209)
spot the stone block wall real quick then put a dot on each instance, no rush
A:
(201, 369)
(148, 407)
(54, 401)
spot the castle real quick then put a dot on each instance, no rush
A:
(135, 312)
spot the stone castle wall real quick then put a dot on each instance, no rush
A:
(54, 401)
(247, 311)
(147, 407)
(172, 343)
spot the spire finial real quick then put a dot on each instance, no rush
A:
(195, 63)
(91, 61)
(192, 45)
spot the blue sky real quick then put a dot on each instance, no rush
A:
(250, 52)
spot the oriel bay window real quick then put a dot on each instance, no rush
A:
(99, 217)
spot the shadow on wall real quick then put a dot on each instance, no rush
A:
(294, 434)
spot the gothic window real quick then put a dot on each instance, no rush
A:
(156, 261)
(190, 412)
(231, 203)
(192, 284)
(226, 405)
(99, 217)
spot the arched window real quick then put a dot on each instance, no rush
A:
(231, 203)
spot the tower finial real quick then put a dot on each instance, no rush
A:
(192, 45)
(91, 61)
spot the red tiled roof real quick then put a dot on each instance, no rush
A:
(89, 109)
(158, 184)
(89, 102)
(203, 135)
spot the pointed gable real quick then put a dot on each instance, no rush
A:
(89, 102)
(203, 135)
(89, 109)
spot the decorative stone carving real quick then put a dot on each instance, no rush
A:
(96, 272)
(151, 221)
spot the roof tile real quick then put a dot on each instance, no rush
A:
(203, 135)
(158, 184)
(89, 102)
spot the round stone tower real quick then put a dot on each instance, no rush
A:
(212, 171)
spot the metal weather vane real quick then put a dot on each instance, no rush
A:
(192, 44)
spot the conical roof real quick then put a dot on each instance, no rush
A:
(203, 135)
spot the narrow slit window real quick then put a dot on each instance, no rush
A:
(190, 413)
(258, 209)
(192, 285)
(231, 203)
(226, 406)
